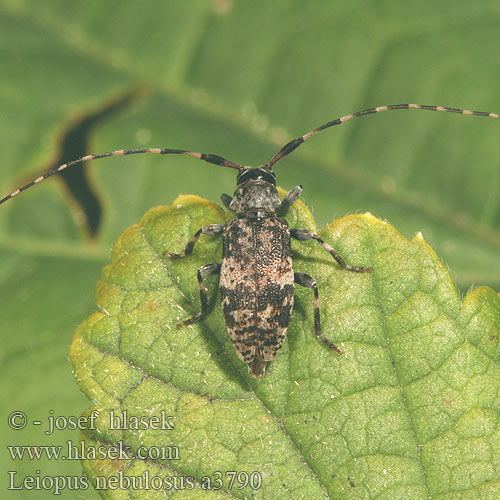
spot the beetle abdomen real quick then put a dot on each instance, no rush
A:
(257, 290)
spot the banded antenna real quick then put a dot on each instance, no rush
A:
(218, 160)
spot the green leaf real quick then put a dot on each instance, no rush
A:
(409, 410)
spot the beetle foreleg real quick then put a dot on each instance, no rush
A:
(210, 230)
(306, 280)
(305, 235)
(290, 198)
(226, 199)
(206, 270)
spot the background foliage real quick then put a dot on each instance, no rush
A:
(236, 79)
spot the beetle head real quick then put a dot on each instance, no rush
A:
(264, 174)
(255, 191)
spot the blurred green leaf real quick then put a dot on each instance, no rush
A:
(410, 410)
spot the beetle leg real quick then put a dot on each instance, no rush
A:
(290, 198)
(206, 270)
(210, 230)
(305, 235)
(306, 280)
(226, 199)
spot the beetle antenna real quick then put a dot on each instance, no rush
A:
(217, 160)
(295, 143)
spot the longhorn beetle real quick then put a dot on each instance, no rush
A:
(256, 274)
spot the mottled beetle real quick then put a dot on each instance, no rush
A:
(256, 274)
